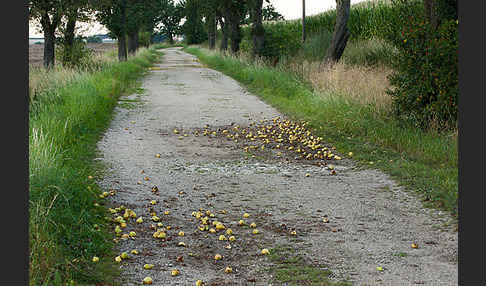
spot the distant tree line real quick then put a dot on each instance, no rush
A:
(135, 22)
(132, 22)
(204, 16)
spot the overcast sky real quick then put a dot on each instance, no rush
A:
(290, 9)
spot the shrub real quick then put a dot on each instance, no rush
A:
(144, 38)
(281, 38)
(315, 46)
(367, 21)
(371, 52)
(78, 55)
(425, 77)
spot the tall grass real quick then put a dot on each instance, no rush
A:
(360, 84)
(425, 162)
(66, 118)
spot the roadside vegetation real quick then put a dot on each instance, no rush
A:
(424, 161)
(389, 99)
(69, 108)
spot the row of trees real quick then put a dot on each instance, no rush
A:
(125, 19)
(232, 14)
(204, 16)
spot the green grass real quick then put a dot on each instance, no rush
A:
(371, 52)
(424, 162)
(291, 269)
(165, 45)
(367, 20)
(65, 123)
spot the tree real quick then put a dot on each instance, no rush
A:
(112, 14)
(303, 21)
(234, 12)
(269, 13)
(193, 28)
(436, 11)
(50, 13)
(75, 11)
(142, 16)
(209, 11)
(134, 14)
(224, 30)
(169, 15)
(257, 30)
(341, 33)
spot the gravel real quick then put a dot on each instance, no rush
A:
(372, 221)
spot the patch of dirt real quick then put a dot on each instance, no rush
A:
(340, 220)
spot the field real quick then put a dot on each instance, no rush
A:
(36, 51)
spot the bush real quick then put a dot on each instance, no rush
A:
(371, 52)
(367, 21)
(79, 55)
(144, 38)
(425, 77)
(315, 46)
(281, 39)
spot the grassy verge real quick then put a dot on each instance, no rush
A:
(67, 225)
(425, 162)
(291, 269)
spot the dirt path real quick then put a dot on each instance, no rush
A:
(372, 222)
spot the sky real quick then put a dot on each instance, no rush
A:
(290, 9)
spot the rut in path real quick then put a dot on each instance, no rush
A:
(371, 221)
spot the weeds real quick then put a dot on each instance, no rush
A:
(70, 109)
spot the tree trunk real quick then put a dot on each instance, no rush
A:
(235, 30)
(235, 37)
(212, 31)
(122, 48)
(224, 35)
(69, 38)
(431, 13)
(303, 21)
(132, 42)
(49, 29)
(341, 33)
(257, 30)
(49, 45)
(122, 38)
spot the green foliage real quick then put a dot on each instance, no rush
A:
(280, 39)
(425, 80)
(193, 27)
(109, 14)
(77, 55)
(367, 21)
(371, 52)
(144, 38)
(270, 14)
(64, 125)
(315, 46)
(170, 15)
(423, 161)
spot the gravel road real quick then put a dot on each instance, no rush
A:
(372, 222)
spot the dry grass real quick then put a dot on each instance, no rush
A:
(41, 79)
(360, 84)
